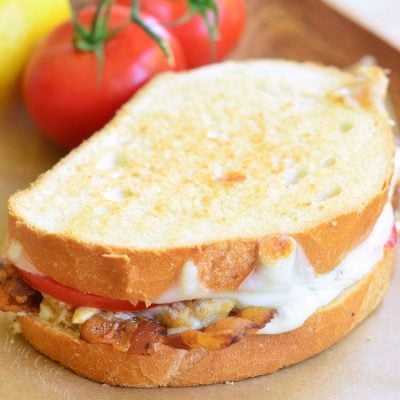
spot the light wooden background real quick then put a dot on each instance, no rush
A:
(381, 16)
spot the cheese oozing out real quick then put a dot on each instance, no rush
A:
(16, 255)
(290, 285)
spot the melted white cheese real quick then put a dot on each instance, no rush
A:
(16, 255)
(83, 314)
(291, 286)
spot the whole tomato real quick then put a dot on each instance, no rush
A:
(70, 96)
(193, 35)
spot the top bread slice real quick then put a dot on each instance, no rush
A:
(206, 164)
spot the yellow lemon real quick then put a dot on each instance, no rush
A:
(22, 24)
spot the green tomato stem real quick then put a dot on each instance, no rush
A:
(136, 19)
(90, 39)
(93, 39)
(213, 33)
(209, 13)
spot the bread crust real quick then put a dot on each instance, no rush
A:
(251, 356)
(124, 273)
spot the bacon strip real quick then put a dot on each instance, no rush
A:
(260, 315)
(224, 333)
(219, 335)
(139, 337)
(15, 294)
(132, 336)
(146, 335)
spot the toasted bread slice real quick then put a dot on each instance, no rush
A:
(203, 165)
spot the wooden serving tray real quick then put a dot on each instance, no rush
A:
(365, 365)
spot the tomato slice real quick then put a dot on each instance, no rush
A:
(393, 238)
(76, 298)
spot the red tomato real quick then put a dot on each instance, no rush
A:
(75, 298)
(393, 239)
(193, 35)
(62, 88)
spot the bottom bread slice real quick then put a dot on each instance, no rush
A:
(254, 355)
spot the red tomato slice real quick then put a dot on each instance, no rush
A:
(75, 298)
(393, 238)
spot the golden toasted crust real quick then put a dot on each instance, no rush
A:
(252, 356)
(327, 244)
(124, 273)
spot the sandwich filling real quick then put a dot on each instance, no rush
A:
(276, 297)
(290, 281)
